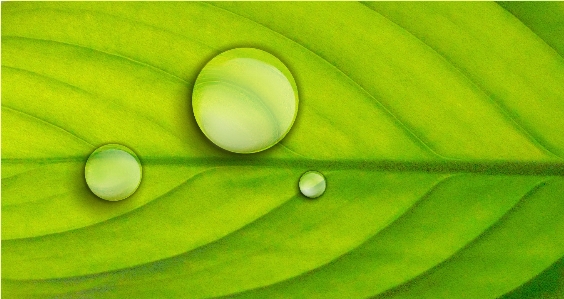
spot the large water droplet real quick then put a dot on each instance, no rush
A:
(245, 100)
(113, 172)
(312, 184)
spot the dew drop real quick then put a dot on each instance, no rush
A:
(113, 172)
(312, 184)
(245, 100)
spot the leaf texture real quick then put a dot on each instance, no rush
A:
(437, 125)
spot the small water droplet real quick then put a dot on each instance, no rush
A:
(113, 172)
(245, 100)
(312, 184)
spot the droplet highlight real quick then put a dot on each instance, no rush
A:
(113, 172)
(245, 100)
(312, 184)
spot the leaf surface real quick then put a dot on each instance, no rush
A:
(440, 139)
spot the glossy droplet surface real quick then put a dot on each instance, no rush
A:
(113, 172)
(245, 100)
(312, 184)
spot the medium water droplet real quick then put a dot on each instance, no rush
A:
(312, 184)
(113, 172)
(245, 100)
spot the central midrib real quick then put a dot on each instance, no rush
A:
(503, 167)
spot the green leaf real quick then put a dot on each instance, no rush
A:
(438, 127)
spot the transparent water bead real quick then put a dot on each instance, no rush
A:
(113, 172)
(245, 100)
(312, 184)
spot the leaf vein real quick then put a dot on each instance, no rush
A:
(507, 113)
(48, 122)
(410, 133)
(466, 246)
(126, 214)
(373, 236)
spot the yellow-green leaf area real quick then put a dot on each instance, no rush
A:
(437, 126)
